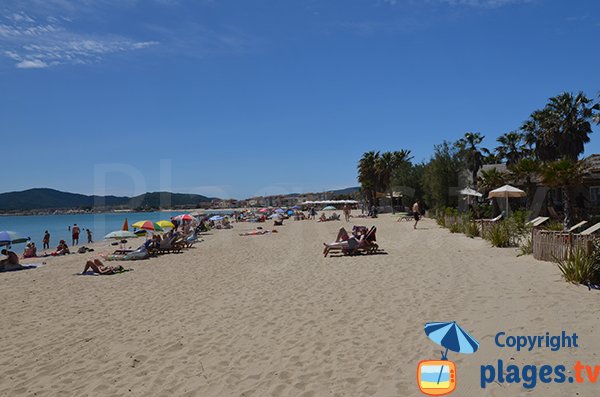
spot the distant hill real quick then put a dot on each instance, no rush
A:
(346, 191)
(43, 198)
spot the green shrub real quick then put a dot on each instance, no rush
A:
(554, 226)
(499, 235)
(456, 227)
(526, 247)
(470, 229)
(579, 268)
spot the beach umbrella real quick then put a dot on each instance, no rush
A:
(329, 208)
(120, 234)
(216, 218)
(296, 207)
(8, 237)
(148, 225)
(275, 216)
(279, 211)
(263, 210)
(506, 191)
(125, 225)
(452, 337)
(183, 217)
(165, 224)
(470, 192)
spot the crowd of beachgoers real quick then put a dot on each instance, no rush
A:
(184, 231)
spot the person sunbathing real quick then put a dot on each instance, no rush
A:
(345, 241)
(98, 267)
(257, 232)
(30, 251)
(322, 218)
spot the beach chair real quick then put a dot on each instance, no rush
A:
(367, 245)
(537, 221)
(577, 226)
(591, 229)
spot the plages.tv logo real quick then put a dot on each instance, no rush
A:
(438, 377)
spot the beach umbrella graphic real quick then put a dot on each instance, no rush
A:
(8, 237)
(452, 337)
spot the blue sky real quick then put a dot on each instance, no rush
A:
(243, 98)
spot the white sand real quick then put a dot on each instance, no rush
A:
(269, 316)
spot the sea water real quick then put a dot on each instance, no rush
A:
(58, 225)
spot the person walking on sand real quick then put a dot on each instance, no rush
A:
(46, 240)
(347, 213)
(75, 234)
(416, 213)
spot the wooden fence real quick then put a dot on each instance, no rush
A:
(550, 245)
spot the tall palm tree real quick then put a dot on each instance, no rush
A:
(526, 170)
(562, 128)
(471, 154)
(491, 179)
(367, 175)
(563, 174)
(512, 147)
(385, 166)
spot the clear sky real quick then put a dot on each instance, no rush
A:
(248, 97)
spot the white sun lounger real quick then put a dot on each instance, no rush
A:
(577, 226)
(537, 221)
(591, 229)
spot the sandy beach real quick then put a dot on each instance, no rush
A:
(270, 316)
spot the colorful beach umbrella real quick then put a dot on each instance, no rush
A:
(263, 210)
(279, 211)
(148, 225)
(165, 224)
(216, 218)
(8, 237)
(120, 234)
(329, 208)
(184, 217)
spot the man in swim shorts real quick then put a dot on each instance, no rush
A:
(75, 234)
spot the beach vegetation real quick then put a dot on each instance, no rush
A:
(579, 268)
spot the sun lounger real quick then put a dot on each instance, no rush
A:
(367, 245)
(591, 229)
(537, 221)
(577, 226)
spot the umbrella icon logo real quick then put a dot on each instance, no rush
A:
(438, 377)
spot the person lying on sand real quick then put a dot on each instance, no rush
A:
(98, 267)
(345, 241)
(257, 232)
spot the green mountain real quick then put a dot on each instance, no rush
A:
(50, 199)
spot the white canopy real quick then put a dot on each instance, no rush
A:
(506, 191)
(329, 202)
(470, 192)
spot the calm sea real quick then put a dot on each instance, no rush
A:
(58, 225)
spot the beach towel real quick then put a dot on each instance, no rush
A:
(23, 267)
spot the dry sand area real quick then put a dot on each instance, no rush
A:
(270, 316)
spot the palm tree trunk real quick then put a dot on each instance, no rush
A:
(566, 207)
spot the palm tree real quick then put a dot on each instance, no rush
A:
(491, 179)
(385, 166)
(563, 174)
(562, 128)
(471, 154)
(367, 175)
(512, 148)
(526, 170)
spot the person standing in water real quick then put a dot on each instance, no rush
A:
(89, 236)
(75, 234)
(46, 240)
